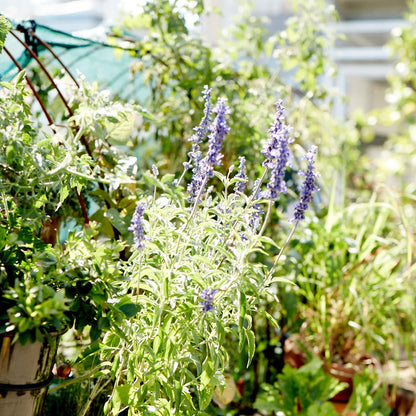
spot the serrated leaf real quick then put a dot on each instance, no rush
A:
(5, 26)
(63, 194)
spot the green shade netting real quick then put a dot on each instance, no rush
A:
(97, 61)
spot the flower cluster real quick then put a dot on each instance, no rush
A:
(277, 154)
(137, 226)
(240, 185)
(208, 297)
(308, 186)
(195, 154)
(219, 129)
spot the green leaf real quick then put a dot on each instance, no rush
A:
(205, 397)
(168, 178)
(116, 220)
(251, 341)
(122, 394)
(129, 309)
(319, 409)
(5, 26)
(63, 194)
(119, 130)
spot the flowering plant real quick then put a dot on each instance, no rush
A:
(194, 274)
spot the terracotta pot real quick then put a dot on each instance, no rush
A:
(340, 408)
(344, 374)
(25, 373)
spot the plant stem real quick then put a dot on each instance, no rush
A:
(196, 204)
(182, 176)
(256, 190)
(71, 381)
(267, 218)
(138, 278)
(289, 237)
(94, 394)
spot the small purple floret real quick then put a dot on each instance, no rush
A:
(208, 297)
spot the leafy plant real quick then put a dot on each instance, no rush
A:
(338, 296)
(192, 277)
(304, 391)
(368, 398)
(45, 180)
(248, 66)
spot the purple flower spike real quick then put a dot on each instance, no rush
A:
(208, 297)
(219, 129)
(195, 154)
(239, 186)
(137, 226)
(277, 154)
(308, 187)
(201, 130)
(205, 170)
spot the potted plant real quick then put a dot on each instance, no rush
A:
(349, 301)
(49, 284)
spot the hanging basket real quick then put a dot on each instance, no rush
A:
(25, 374)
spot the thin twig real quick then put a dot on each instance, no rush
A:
(289, 237)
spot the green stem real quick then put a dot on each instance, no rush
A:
(74, 380)
(272, 270)
(97, 389)
(182, 176)
(138, 278)
(267, 218)
(256, 190)
(196, 204)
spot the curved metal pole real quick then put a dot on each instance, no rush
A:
(46, 45)
(27, 47)
(32, 87)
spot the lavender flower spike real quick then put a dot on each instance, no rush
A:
(201, 130)
(219, 129)
(208, 297)
(195, 154)
(277, 154)
(137, 226)
(239, 186)
(308, 187)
